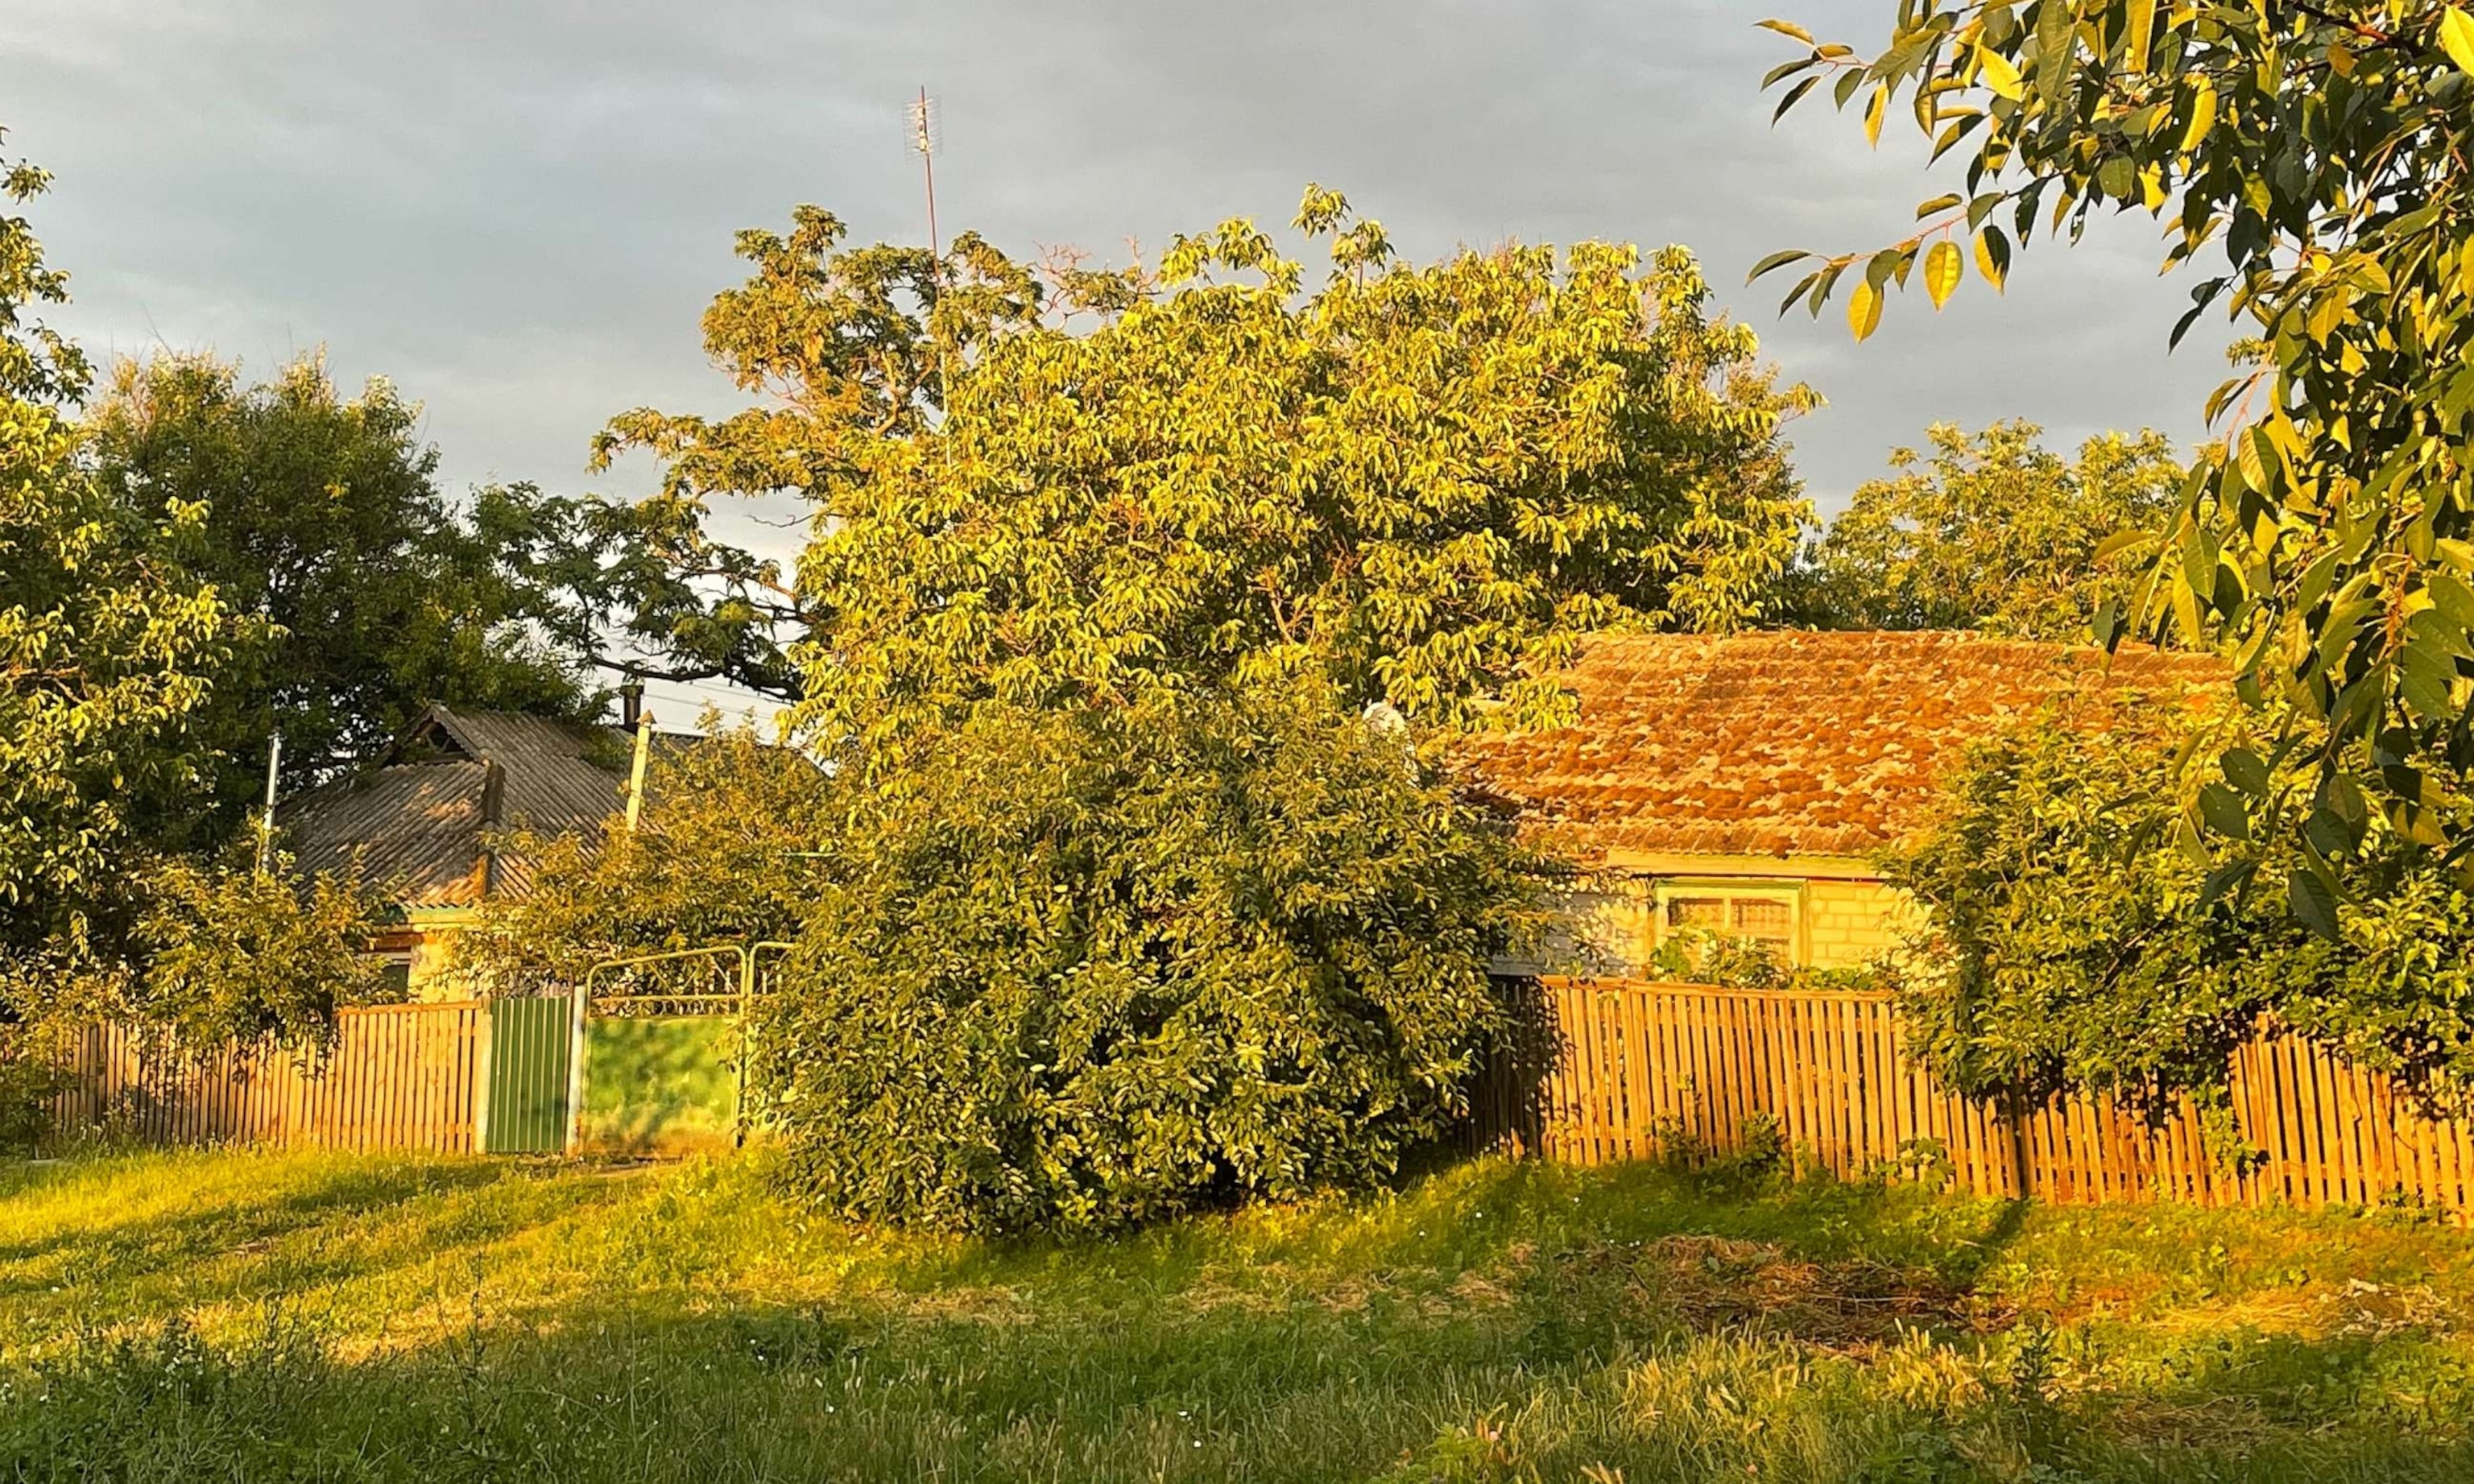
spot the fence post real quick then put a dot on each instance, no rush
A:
(582, 1002)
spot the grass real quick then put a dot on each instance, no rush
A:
(259, 1317)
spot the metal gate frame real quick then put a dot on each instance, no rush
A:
(743, 1015)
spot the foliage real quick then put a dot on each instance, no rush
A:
(320, 515)
(108, 649)
(311, 1315)
(218, 953)
(2086, 938)
(1700, 956)
(1092, 967)
(725, 854)
(1425, 479)
(30, 1078)
(2323, 151)
(1993, 532)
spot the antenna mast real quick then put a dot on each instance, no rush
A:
(923, 139)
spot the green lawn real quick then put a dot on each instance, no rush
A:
(249, 1316)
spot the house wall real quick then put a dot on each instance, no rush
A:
(1846, 917)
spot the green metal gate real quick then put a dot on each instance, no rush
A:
(660, 1061)
(526, 1111)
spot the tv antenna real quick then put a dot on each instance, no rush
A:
(923, 140)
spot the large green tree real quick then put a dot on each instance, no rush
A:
(1993, 532)
(1039, 486)
(2318, 157)
(319, 516)
(109, 645)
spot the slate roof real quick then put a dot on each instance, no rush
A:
(415, 823)
(1796, 743)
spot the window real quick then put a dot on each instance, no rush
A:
(1765, 912)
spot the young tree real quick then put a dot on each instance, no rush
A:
(109, 647)
(1430, 480)
(319, 516)
(730, 846)
(2319, 152)
(1993, 532)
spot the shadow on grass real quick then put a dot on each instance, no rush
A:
(1305, 1392)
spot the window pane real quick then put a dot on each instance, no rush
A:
(1697, 911)
(1764, 918)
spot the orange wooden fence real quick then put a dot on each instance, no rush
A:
(399, 1077)
(1621, 1070)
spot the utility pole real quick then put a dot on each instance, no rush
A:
(636, 773)
(266, 819)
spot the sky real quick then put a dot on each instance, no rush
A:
(516, 213)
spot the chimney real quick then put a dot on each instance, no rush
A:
(631, 703)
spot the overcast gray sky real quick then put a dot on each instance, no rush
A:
(517, 210)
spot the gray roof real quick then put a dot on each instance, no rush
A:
(418, 824)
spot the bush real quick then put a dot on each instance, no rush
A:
(2084, 936)
(725, 853)
(1082, 969)
(214, 955)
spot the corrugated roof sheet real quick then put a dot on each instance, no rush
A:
(1795, 744)
(416, 824)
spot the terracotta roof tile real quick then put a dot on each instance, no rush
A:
(1795, 743)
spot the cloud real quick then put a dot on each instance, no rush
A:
(519, 211)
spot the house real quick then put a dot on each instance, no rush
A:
(1747, 785)
(421, 823)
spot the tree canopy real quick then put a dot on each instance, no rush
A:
(1993, 532)
(320, 517)
(109, 646)
(1033, 485)
(2319, 153)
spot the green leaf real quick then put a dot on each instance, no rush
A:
(1793, 96)
(2246, 771)
(2223, 810)
(1776, 261)
(2313, 904)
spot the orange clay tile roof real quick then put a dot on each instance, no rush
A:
(1793, 743)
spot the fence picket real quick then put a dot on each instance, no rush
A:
(1833, 1071)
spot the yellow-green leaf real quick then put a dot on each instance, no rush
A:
(1787, 28)
(2204, 117)
(1873, 112)
(1994, 71)
(1986, 263)
(1864, 311)
(2457, 37)
(2139, 21)
(1943, 266)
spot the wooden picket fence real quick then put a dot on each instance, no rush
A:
(1626, 1070)
(397, 1076)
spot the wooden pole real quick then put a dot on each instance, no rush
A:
(636, 772)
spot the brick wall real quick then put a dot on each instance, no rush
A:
(1849, 923)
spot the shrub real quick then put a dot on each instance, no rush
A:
(215, 954)
(725, 853)
(1080, 969)
(2085, 937)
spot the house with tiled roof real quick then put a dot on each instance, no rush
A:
(425, 824)
(1747, 785)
